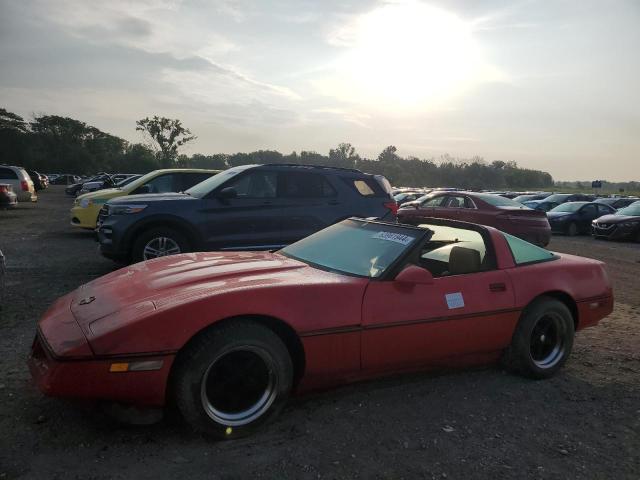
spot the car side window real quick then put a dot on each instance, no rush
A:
(603, 210)
(433, 202)
(589, 211)
(524, 252)
(256, 184)
(8, 173)
(161, 184)
(457, 201)
(454, 251)
(304, 185)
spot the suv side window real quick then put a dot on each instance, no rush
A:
(8, 173)
(304, 185)
(255, 184)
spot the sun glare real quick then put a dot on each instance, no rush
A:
(408, 54)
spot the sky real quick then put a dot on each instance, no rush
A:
(550, 84)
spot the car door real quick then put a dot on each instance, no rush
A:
(308, 203)
(251, 219)
(431, 206)
(586, 215)
(464, 312)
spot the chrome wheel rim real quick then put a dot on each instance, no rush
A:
(239, 386)
(547, 346)
(160, 247)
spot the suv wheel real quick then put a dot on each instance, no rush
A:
(158, 242)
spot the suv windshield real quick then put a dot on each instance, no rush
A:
(367, 249)
(203, 188)
(568, 207)
(631, 210)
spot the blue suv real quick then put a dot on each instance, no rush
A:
(249, 207)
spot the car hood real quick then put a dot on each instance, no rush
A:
(618, 218)
(152, 197)
(169, 281)
(105, 193)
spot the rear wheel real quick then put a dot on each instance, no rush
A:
(543, 339)
(158, 242)
(232, 379)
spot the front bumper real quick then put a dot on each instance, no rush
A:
(90, 379)
(613, 232)
(84, 217)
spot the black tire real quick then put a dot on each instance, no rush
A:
(531, 353)
(205, 358)
(572, 229)
(147, 237)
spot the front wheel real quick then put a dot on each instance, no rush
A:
(543, 339)
(158, 242)
(232, 379)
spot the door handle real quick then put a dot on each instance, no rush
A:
(497, 287)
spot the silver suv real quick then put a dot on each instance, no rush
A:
(21, 181)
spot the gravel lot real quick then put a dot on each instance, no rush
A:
(584, 423)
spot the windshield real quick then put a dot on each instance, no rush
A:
(355, 247)
(568, 207)
(127, 181)
(631, 210)
(201, 189)
(498, 201)
(558, 197)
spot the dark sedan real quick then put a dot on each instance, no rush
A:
(622, 225)
(617, 202)
(481, 208)
(574, 218)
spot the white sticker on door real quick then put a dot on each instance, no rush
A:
(454, 300)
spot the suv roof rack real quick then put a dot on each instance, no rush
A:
(305, 165)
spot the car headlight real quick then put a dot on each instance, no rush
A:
(125, 209)
(85, 202)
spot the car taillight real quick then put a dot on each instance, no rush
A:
(393, 206)
(24, 185)
(4, 188)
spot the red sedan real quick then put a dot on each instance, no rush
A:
(228, 337)
(482, 208)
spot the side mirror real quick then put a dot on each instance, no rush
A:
(143, 189)
(414, 275)
(227, 193)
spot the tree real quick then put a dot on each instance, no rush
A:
(343, 156)
(168, 134)
(12, 121)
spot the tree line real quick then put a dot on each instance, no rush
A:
(51, 143)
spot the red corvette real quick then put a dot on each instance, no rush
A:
(228, 336)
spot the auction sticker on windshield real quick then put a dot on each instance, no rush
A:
(394, 237)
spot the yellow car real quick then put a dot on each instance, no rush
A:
(84, 213)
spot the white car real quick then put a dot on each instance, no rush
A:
(21, 182)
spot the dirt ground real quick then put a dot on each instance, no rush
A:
(584, 423)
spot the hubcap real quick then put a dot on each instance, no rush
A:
(239, 386)
(547, 341)
(160, 247)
